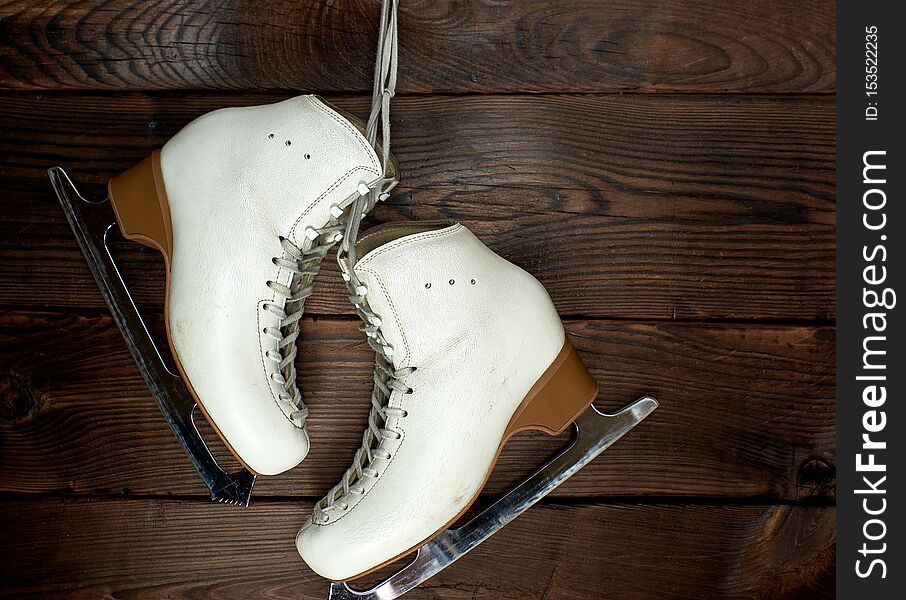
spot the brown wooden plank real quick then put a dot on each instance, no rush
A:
(746, 411)
(525, 46)
(155, 549)
(631, 207)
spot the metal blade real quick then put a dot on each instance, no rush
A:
(92, 223)
(593, 433)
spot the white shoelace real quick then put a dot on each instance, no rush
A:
(304, 263)
(386, 378)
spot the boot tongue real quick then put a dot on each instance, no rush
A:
(381, 235)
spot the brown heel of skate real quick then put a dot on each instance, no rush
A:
(140, 203)
(138, 207)
(562, 394)
(142, 210)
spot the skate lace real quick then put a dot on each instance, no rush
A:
(304, 264)
(387, 379)
(383, 90)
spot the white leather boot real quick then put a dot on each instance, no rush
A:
(470, 350)
(243, 203)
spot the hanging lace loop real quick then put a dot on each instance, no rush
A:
(384, 86)
(383, 89)
(303, 263)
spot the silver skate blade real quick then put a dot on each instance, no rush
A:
(593, 433)
(92, 223)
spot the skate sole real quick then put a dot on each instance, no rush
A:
(562, 393)
(143, 216)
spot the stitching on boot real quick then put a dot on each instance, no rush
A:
(345, 123)
(410, 240)
(335, 185)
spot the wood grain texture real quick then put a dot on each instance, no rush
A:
(475, 46)
(685, 230)
(642, 208)
(78, 418)
(155, 549)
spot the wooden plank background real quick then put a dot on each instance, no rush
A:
(666, 169)
(767, 46)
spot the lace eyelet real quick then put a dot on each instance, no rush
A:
(409, 391)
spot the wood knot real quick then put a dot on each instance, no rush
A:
(817, 473)
(16, 400)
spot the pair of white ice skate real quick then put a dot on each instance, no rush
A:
(244, 203)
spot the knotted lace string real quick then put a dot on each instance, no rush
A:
(385, 71)
(387, 379)
(383, 89)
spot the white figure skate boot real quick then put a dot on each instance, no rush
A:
(243, 203)
(240, 204)
(470, 350)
